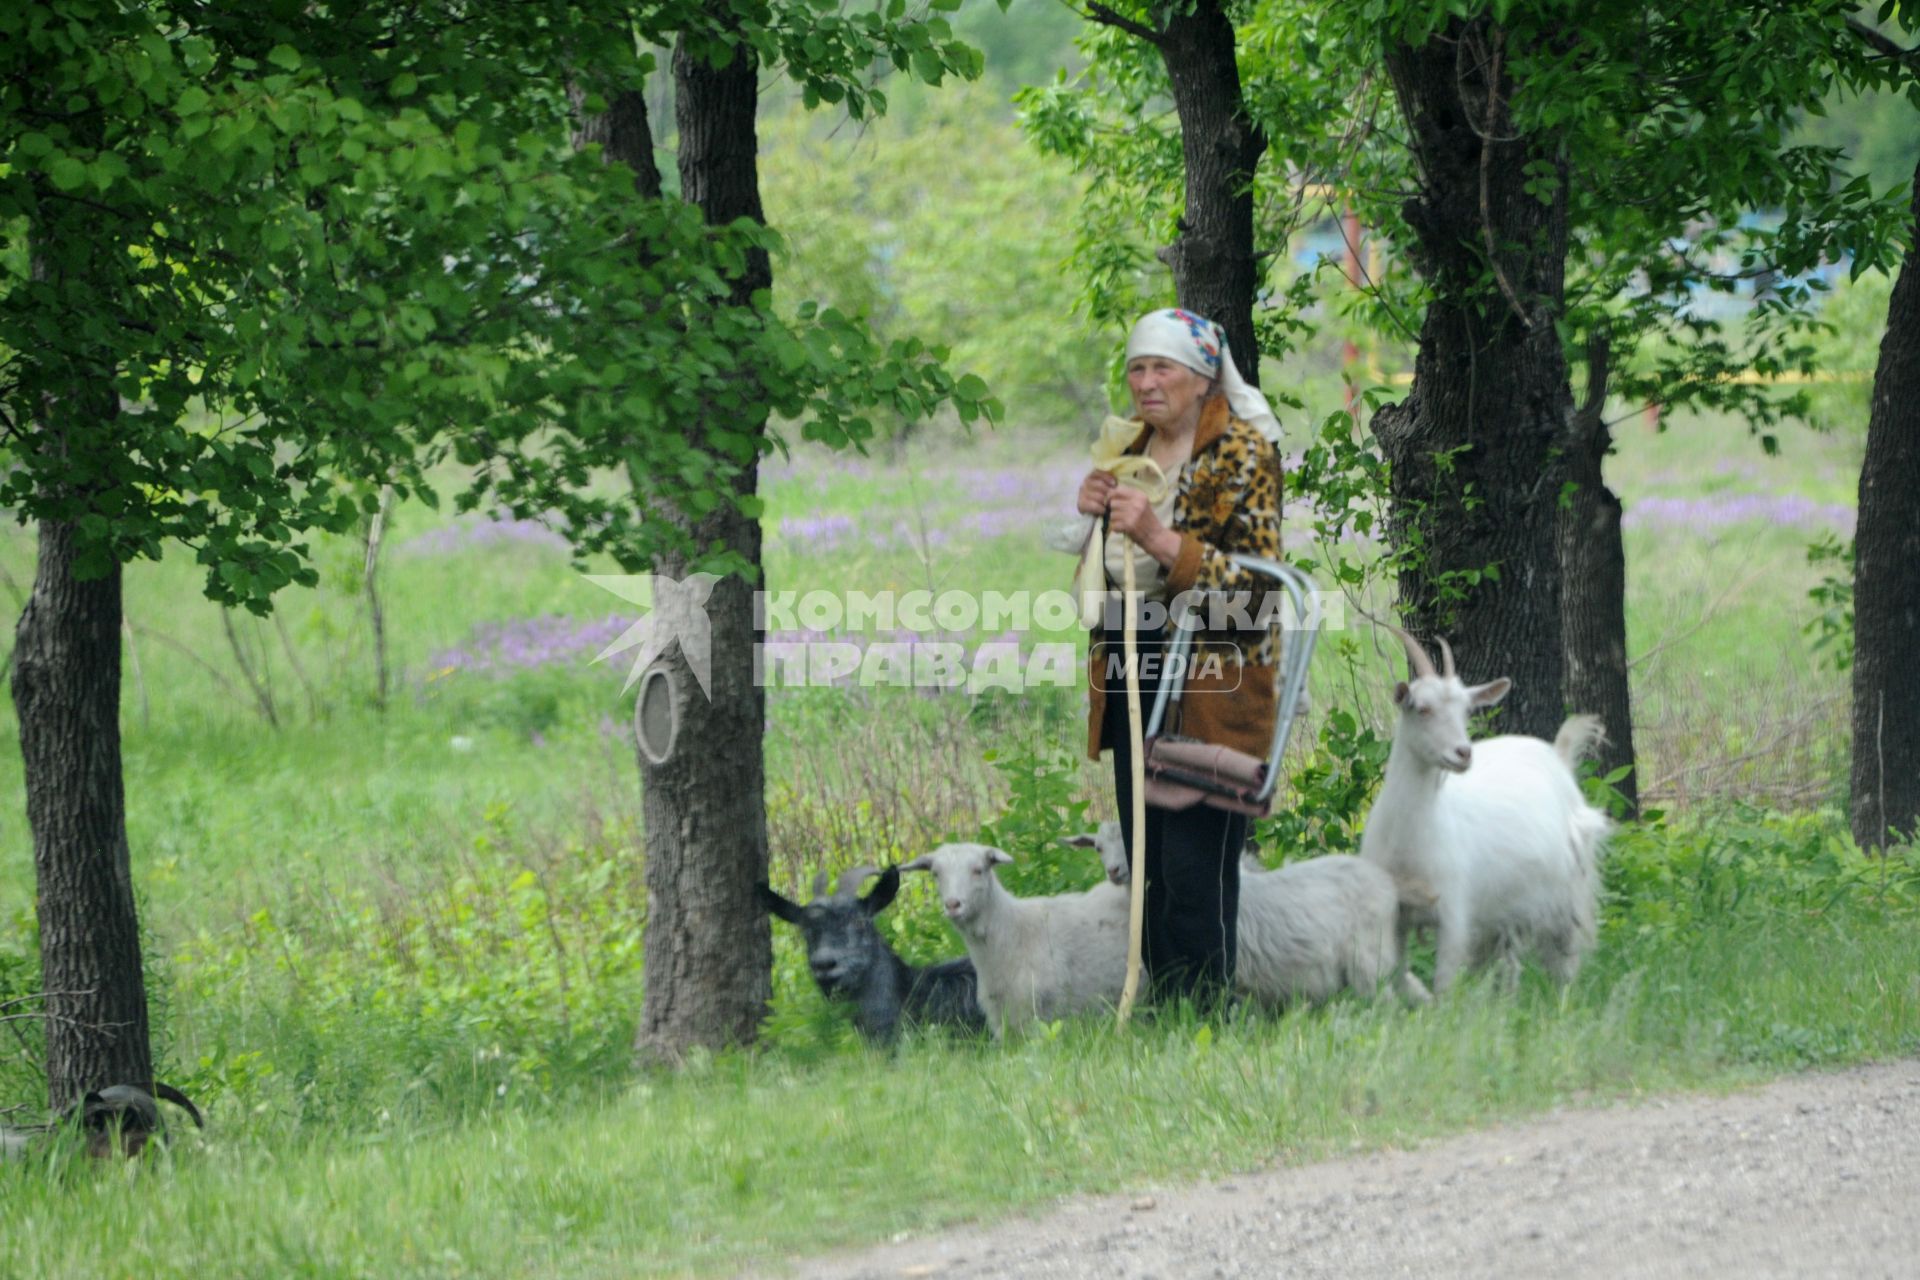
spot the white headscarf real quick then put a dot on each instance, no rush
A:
(1201, 345)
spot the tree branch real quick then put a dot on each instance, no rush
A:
(1486, 167)
(1106, 17)
(1883, 44)
(1588, 419)
(191, 656)
(262, 696)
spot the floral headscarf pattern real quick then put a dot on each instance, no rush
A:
(1201, 345)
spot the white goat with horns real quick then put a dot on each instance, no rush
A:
(1489, 842)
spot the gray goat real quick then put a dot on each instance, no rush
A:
(852, 962)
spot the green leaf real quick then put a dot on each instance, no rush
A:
(927, 66)
(284, 56)
(67, 173)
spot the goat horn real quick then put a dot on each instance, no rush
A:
(1447, 654)
(179, 1099)
(820, 883)
(1416, 656)
(854, 877)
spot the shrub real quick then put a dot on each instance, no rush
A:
(521, 966)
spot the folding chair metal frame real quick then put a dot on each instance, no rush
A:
(1292, 684)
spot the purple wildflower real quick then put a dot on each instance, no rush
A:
(526, 644)
(469, 535)
(1720, 510)
(816, 533)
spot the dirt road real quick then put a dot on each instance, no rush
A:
(1815, 1176)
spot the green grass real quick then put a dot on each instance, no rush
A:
(752, 1158)
(397, 954)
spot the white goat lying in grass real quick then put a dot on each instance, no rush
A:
(1490, 842)
(1035, 957)
(1307, 931)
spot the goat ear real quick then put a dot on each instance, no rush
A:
(775, 905)
(1485, 695)
(1082, 841)
(921, 863)
(84, 1107)
(997, 856)
(1400, 694)
(884, 888)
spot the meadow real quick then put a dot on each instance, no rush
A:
(396, 951)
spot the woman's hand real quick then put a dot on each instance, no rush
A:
(1129, 512)
(1094, 492)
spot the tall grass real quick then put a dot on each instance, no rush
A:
(749, 1157)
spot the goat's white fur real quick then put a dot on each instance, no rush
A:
(1306, 931)
(1036, 957)
(1489, 842)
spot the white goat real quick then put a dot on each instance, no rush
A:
(1306, 931)
(1035, 957)
(1489, 842)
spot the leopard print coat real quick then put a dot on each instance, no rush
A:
(1228, 501)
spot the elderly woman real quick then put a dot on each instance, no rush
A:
(1215, 437)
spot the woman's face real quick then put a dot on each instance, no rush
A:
(1165, 392)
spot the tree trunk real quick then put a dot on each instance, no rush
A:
(625, 136)
(66, 691)
(1215, 271)
(1593, 603)
(709, 950)
(1475, 448)
(1886, 581)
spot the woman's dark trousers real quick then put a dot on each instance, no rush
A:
(1192, 855)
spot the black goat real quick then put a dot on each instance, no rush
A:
(851, 961)
(119, 1118)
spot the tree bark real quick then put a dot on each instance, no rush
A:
(624, 134)
(66, 695)
(1215, 270)
(1886, 581)
(66, 691)
(1593, 603)
(709, 950)
(1475, 449)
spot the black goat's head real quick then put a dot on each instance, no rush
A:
(121, 1117)
(843, 947)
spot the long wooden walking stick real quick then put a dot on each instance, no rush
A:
(1136, 820)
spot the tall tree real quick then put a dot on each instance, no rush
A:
(1216, 271)
(283, 258)
(1593, 569)
(203, 350)
(108, 129)
(709, 952)
(1886, 580)
(66, 692)
(708, 946)
(1682, 183)
(1475, 447)
(1885, 806)
(1546, 164)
